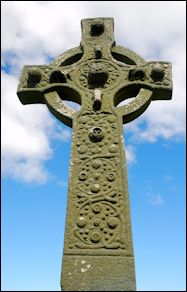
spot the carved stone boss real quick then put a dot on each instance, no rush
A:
(98, 249)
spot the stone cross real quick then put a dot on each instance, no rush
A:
(98, 250)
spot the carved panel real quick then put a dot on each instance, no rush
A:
(99, 226)
(98, 186)
(108, 142)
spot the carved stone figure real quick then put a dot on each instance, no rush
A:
(98, 249)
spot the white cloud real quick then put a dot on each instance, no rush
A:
(58, 134)
(62, 183)
(130, 154)
(27, 132)
(27, 170)
(155, 199)
(23, 128)
(168, 177)
(33, 31)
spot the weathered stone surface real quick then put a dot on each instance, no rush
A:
(98, 249)
(98, 273)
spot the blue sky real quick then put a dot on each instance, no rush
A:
(36, 147)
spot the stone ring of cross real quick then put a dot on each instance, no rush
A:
(98, 75)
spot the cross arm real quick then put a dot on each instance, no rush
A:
(31, 81)
(47, 85)
(146, 82)
(156, 76)
(35, 80)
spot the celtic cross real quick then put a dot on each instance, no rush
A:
(98, 249)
